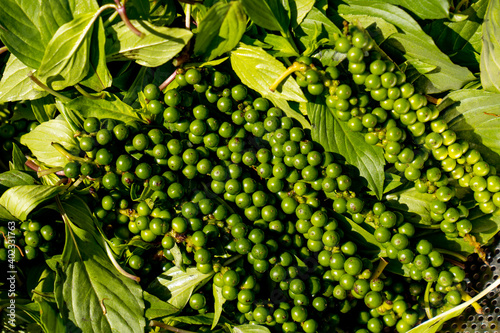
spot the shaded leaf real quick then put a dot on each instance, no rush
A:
(220, 30)
(156, 308)
(362, 234)
(50, 319)
(156, 47)
(391, 182)
(15, 84)
(67, 50)
(490, 55)
(335, 136)
(44, 109)
(110, 107)
(39, 142)
(474, 116)
(412, 204)
(21, 200)
(205, 319)
(176, 286)
(29, 25)
(258, 70)
(315, 25)
(18, 159)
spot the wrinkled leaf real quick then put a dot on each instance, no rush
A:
(425, 9)
(21, 200)
(15, 84)
(270, 14)
(110, 107)
(335, 136)
(68, 50)
(412, 44)
(258, 70)
(474, 116)
(434, 324)
(490, 55)
(156, 47)
(176, 286)
(220, 30)
(15, 178)
(219, 302)
(156, 308)
(29, 26)
(39, 142)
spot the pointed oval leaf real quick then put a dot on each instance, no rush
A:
(156, 47)
(257, 69)
(15, 178)
(219, 302)
(220, 30)
(335, 136)
(425, 9)
(39, 142)
(490, 55)
(66, 58)
(21, 200)
(270, 15)
(15, 84)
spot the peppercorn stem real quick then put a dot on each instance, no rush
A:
(3, 49)
(296, 66)
(86, 94)
(65, 153)
(168, 81)
(46, 172)
(428, 310)
(380, 268)
(453, 254)
(117, 265)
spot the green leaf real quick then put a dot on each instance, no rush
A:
(6, 215)
(67, 51)
(15, 178)
(335, 136)
(258, 70)
(250, 329)
(291, 110)
(391, 182)
(177, 254)
(113, 301)
(412, 204)
(205, 319)
(39, 142)
(281, 46)
(21, 200)
(411, 43)
(18, 159)
(98, 78)
(156, 308)
(425, 9)
(362, 234)
(475, 116)
(156, 47)
(315, 25)
(270, 14)
(28, 27)
(484, 226)
(110, 107)
(434, 324)
(490, 55)
(299, 10)
(50, 319)
(83, 6)
(219, 302)
(15, 84)
(176, 286)
(220, 30)
(44, 108)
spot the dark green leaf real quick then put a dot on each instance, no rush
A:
(21, 200)
(156, 47)
(391, 182)
(68, 49)
(220, 30)
(142, 7)
(270, 14)
(29, 26)
(258, 70)
(109, 107)
(15, 84)
(205, 319)
(361, 234)
(474, 116)
(250, 329)
(412, 43)
(219, 302)
(98, 78)
(412, 204)
(114, 302)
(156, 308)
(314, 27)
(39, 142)
(490, 55)
(334, 136)
(176, 286)
(425, 9)
(50, 319)
(15, 178)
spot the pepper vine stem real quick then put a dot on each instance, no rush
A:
(47, 89)
(168, 81)
(123, 14)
